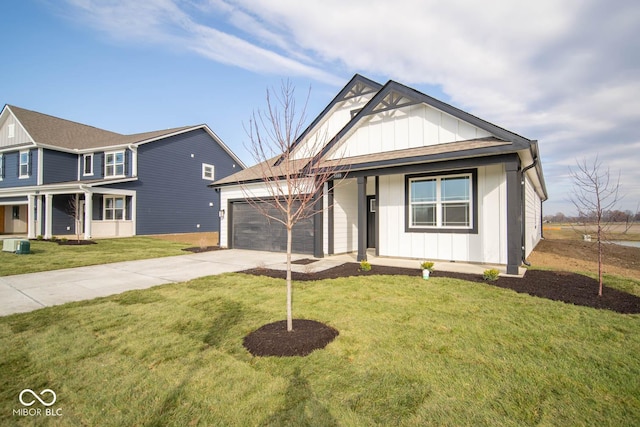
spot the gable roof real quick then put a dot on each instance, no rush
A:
(394, 95)
(56, 132)
(67, 135)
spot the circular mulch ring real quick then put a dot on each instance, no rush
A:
(273, 339)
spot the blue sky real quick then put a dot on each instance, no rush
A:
(564, 73)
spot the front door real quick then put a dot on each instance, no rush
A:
(2, 208)
(371, 221)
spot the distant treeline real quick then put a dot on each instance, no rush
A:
(608, 216)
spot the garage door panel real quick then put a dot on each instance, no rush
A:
(251, 229)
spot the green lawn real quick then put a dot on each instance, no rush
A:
(47, 256)
(410, 352)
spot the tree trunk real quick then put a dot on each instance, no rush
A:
(599, 260)
(289, 287)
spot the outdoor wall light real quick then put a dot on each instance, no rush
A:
(221, 213)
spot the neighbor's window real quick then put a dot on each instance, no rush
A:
(24, 168)
(114, 164)
(114, 208)
(208, 171)
(87, 164)
(440, 202)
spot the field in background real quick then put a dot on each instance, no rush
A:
(576, 231)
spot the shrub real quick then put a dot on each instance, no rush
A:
(39, 237)
(491, 274)
(365, 265)
(64, 240)
(426, 265)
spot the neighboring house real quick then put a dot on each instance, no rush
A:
(423, 180)
(123, 185)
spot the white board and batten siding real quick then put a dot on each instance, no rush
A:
(334, 121)
(345, 214)
(532, 217)
(488, 246)
(12, 133)
(407, 127)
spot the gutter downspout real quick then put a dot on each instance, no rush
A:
(524, 210)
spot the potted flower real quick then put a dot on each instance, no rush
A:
(427, 267)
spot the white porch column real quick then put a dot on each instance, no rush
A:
(38, 215)
(48, 207)
(31, 218)
(88, 214)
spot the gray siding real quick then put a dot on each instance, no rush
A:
(59, 166)
(11, 170)
(61, 217)
(172, 197)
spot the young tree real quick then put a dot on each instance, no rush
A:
(291, 174)
(73, 210)
(595, 192)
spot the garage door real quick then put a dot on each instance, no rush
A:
(250, 229)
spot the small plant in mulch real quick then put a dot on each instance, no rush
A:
(426, 265)
(39, 237)
(365, 265)
(491, 275)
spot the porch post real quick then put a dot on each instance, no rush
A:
(514, 217)
(39, 208)
(362, 218)
(31, 218)
(48, 211)
(88, 214)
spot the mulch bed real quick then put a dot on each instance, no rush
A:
(554, 285)
(273, 339)
(308, 335)
(199, 249)
(75, 242)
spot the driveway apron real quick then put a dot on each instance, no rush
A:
(27, 292)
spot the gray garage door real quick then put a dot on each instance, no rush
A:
(250, 229)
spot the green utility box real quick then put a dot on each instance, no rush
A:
(24, 247)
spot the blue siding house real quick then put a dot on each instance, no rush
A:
(59, 177)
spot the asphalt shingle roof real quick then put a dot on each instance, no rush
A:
(57, 132)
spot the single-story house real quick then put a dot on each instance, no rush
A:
(415, 177)
(59, 177)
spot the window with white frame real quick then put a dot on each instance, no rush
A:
(440, 202)
(208, 172)
(24, 169)
(114, 208)
(87, 164)
(114, 164)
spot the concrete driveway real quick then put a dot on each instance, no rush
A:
(27, 292)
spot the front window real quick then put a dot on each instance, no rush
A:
(24, 164)
(114, 164)
(114, 208)
(441, 202)
(87, 164)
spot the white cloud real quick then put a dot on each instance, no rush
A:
(566, 73)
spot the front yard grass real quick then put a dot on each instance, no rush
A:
(47, 256)
(410, 352)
